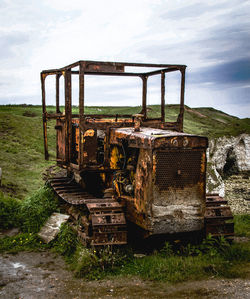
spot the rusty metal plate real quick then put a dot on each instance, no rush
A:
(178, 168)
(220, 212)
(118, 238)
(108, 219)
(220, 229)
(104, 206)
(215, 200)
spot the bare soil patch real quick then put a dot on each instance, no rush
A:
(45, 275)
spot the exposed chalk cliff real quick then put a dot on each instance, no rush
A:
(230, 151)
(226, 156)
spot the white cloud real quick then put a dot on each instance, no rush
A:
(54, 33)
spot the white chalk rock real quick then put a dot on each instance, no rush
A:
(52, 227)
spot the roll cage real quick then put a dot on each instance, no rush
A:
(101, 121)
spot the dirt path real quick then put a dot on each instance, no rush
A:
(44, 275)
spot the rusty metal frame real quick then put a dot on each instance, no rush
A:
(105, 69)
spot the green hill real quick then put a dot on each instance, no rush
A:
(21, 138)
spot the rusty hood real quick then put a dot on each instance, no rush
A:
(156, 138)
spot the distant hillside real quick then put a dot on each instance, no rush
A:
(21, 138)
(214, 123)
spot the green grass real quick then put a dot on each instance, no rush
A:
(21, 143)
(242, 225)
(176, 268)
(22, 242)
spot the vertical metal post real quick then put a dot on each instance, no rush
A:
(45, 136)
(163, 96)
(57, 93)
(180, 118)
(68, 115)
(81, 113)
(144, 96)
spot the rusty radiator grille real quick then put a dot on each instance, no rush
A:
(177, 168)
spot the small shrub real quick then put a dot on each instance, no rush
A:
(213, 246)
(237, 253)
(37, 208)
(109, 257)
(242, 225)
(85, 263)
(189, 250)
(167, 250)
(66, 241)
(28, 113)
(9, 212)
(94, 264)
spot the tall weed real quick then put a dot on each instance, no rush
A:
(36, 209)
(9, 211)
(66, 241)
(242, 225)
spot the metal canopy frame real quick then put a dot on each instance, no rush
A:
(100, 68)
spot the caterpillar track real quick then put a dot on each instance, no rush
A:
(100, 221)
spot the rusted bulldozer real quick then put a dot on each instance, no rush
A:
(130, 168)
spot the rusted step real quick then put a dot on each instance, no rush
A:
(117, 238)
(218, 212)
(104, 206)
(215, 200)
(78, 195)
(108, 219)
(63, 191)
(218, 217)
(220, 229)
(59, 179)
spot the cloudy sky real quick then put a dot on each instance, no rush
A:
(211, 37)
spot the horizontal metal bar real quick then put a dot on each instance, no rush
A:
(158, 72)
(133, 64)
(124, 74)
(96, 73)
(155, 65)
(52, 72)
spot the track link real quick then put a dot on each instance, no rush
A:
(103, 222)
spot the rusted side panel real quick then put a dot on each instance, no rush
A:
(60, 128)
(97, 67)
(90, 146)
(139, 207)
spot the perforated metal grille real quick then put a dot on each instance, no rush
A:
(177, 168)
